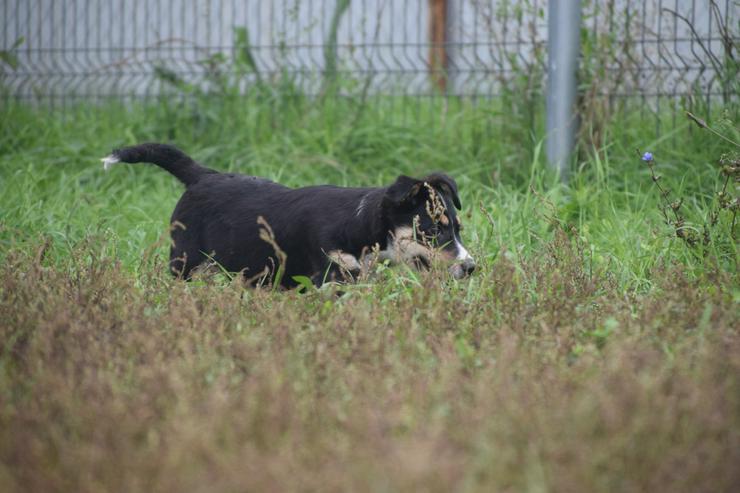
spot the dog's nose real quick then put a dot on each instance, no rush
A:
(468, 266)
(462, 269)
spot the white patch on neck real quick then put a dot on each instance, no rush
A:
(109, 161)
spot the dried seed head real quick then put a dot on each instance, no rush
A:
(435, 206)
(701, 123)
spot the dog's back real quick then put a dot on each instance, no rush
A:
(217, 216)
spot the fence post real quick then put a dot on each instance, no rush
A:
(438, 31)
(563, 40)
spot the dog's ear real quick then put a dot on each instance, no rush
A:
(404, 190)
(446, 184)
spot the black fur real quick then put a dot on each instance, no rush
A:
(216, 217)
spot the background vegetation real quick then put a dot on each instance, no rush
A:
(593, 349)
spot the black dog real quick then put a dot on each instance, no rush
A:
(254, 226)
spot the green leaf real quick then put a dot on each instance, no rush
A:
(243, 57)
(9, 59)
(304, 282)
(18, 42)
(170, 77)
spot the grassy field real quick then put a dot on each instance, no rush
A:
(592, 350)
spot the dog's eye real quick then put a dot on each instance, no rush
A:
(430, 234)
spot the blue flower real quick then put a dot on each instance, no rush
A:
(647, 157)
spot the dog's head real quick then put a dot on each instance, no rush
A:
(424, 223)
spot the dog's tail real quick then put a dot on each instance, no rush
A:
(165, 156)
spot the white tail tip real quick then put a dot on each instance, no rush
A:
(109, 161)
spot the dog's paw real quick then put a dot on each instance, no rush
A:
(109, 161)
(345, 261)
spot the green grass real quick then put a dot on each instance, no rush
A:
(591, 351)
(54, 186)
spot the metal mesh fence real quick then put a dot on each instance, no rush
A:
(663, 54)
